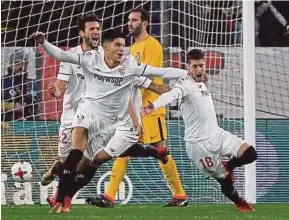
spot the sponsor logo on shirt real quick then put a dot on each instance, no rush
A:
(116, 81)
(87, 54)
(79, 76)
(205, 93)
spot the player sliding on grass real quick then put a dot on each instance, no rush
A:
(206, 142)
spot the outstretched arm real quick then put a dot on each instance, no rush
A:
(164, 99)
(56, 52)
(169, 72)
(146, 83)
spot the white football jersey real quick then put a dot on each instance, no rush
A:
(136, 100)
(197, 109)
(108, 90)
(73, 75)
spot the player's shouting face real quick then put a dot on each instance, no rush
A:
(197, 69)
(135, 24)
(196, 65)
(91, 34)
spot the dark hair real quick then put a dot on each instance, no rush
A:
(111, 34)
(144, 14)
(86, 18)
(195, 54)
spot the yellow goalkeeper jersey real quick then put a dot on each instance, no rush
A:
(150, 52)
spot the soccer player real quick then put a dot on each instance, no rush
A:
(125, 136)
(107, 78)
(149, 51)
(206, 142)
(70, 79)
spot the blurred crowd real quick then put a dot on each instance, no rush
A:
(18, 101)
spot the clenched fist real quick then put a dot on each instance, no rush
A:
(39, 37)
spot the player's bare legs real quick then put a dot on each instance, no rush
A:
(169, 169)
(154, 133)
(100, 158)
(137, 150)
(243, 149)
(84, 175)
(49, 176)
(85, 172)
(246, 154)
(228, 189)
(68, 168)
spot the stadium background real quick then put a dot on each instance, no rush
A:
(37, 141)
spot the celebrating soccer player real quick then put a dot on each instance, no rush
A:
(108, 77)
(206, 142)
(148, 50)
(70, 81)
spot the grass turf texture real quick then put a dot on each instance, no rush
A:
(147, 212)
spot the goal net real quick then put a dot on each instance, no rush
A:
(214, 26)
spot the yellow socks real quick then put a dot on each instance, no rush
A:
(117, 173)
(169, 170)
(172, 176)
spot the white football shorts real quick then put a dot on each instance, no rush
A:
(207, 154)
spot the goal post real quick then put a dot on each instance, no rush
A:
(249, 93)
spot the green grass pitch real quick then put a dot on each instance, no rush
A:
(147, 212)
